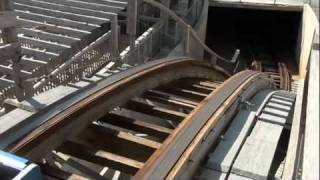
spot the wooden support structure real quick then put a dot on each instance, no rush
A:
(9, 36)
(132, 16)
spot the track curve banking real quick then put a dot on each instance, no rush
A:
(145, 123)
(119, 92)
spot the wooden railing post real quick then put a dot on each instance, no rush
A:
(132, 15)
(115, 37)
(10, 36)
(187, 41)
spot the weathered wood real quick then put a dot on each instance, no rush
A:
(173, 97)
(8, 19)
(101, 157)
(69, 163)
(155, 111)
(114, 131)
(139, 126)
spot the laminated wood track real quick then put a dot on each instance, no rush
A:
(279, 73)
(125, 124)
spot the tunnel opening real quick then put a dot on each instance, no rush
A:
(265, 35)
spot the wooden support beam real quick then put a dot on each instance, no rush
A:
(58, 11)
(132, 15)
(10, 36)
(115, 131)
(155, 111)
(56, 173)
(102, 157)
(136, 125)
(173, 97)
(8, 19)
(171, 102)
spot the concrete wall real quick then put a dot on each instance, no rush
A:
(309, 25)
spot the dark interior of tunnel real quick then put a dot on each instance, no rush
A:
(264, 35)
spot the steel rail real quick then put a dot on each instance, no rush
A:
(215, 126)
(279, 74)
(160, 164)
(72, 119)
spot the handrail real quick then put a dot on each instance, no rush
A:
(78, 56)
(194, 34)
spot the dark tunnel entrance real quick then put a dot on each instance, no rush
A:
(263, 35)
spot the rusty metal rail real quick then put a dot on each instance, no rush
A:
(150, 118)
(165, 95)
(279, 73)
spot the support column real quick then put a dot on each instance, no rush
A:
(164, 16)
(132, 15)
(115, 36)
(187, 41)
(10, 36)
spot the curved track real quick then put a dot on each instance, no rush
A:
(144, 123)
(142, 108)
(279, 73)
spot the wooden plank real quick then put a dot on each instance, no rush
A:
(114, 144)
(57, 21)
(195, 96)
(114, 131)
(40, 54)
(210, 84)
(86, 6)
(225, 153)
(71, 164)
(170, 101)
(162, 104)
(136, 125)
(48, 36)
(155, 111)
(56, 173)
(50, 46)
(58, 11)
(56, 29)
(101, 157)
(172, 96)
(120, 3)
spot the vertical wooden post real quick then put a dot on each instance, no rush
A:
(132, 15)
(115, 36)
(187, 41)
(10, 36)
(164, 16)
